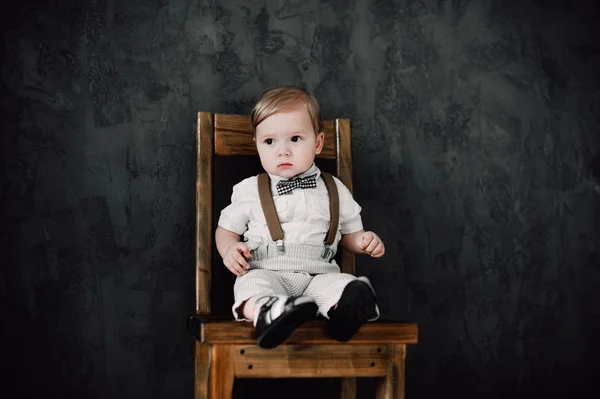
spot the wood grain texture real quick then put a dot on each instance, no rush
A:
(348, 388)
(392, 385)
(309, 361)
(312, 333)
(201, 370)
(221, 372)
(204, 200)
(344, 173)
(233, 136)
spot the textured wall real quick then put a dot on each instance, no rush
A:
(476, 153)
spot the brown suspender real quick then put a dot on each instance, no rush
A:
(266, 201)
(334, 207)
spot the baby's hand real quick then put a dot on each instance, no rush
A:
(235, 258)
(371, 244)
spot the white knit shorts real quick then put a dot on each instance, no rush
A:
(325, 287)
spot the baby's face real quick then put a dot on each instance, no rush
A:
(287, 143)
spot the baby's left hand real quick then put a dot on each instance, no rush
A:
(371, 244)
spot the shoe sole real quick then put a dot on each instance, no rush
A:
(282, 327)
(350, 315)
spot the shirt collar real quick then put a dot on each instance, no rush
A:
(311, 171)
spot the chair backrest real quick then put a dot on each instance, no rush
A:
(229, 135)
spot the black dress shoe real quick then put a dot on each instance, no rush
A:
(355, 307)
(278, 316)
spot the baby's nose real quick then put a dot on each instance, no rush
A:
(284, 150)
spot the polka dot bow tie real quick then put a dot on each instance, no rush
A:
(287, 186)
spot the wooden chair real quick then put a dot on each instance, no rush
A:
(226, 349)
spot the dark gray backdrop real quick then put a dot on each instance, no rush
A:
(476, 157)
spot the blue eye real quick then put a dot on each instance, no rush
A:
(295, 139)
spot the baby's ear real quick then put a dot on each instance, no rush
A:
(320, 142)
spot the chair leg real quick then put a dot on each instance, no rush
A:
(348, 388)
(201, 370)
(392, 385)
(221, 372)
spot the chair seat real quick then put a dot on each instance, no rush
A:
(212, 330)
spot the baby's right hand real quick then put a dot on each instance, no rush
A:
(235, 258)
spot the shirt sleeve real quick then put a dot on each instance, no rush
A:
(236, 215)
(350, 219)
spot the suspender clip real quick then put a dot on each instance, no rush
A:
(280, 247)
(327, 252)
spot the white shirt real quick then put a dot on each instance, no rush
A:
(303, 214)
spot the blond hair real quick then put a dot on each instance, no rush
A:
(277, 98)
